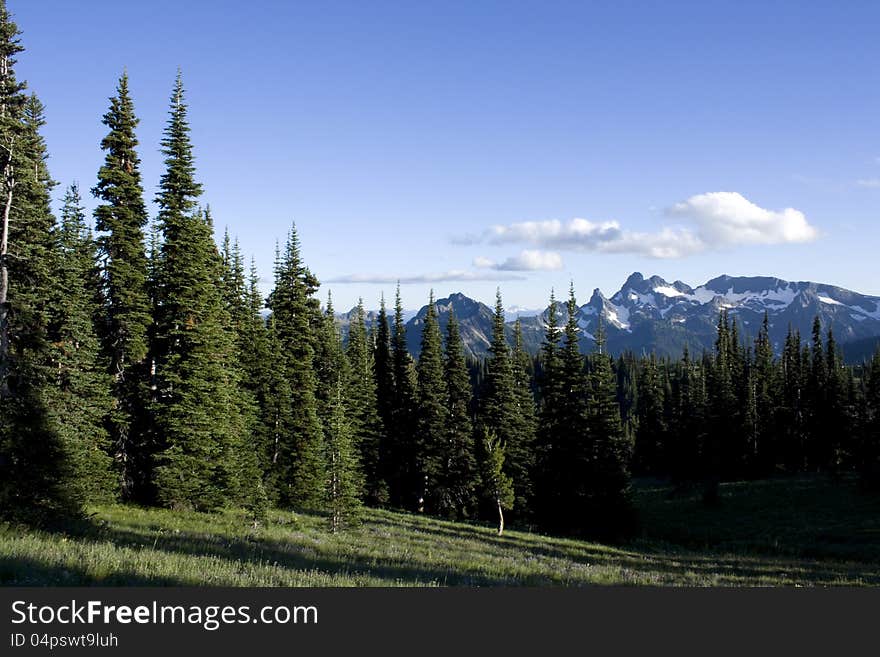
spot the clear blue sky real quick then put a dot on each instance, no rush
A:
(397, 135)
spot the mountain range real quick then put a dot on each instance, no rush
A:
(651, 314)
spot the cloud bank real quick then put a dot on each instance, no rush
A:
(714, 220)
(526, 261)
(453, 275)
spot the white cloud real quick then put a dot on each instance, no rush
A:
(526, 261)
(714, 220)
(438, 277)
(581, 232)
(728, 218)
(873, 183)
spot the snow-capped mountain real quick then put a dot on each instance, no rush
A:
(651, 314)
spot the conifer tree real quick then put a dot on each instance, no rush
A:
(35, 474)
(609, 511)
(385, 390)
(300, 464)
(869, 461)
(331, 365)
(366, 424)
(344, 481)
(195, 410)
(525, 426)
(406, 488)
(792, 411)
(499, 409)
(80, 398)
(277, 408)
(14, 163)
(547, 450)
(651, 432)
(432, 416)
(460, 478)
(121, 218)
(243, 464)
(816, 391)
(722, 412)
(497, 484)
(766, 449)
(572, 452)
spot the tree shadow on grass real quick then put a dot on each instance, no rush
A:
(291, 556)
(22, 571)
(675, 564)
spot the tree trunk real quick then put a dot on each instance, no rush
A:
(4, 290)
(500, 518)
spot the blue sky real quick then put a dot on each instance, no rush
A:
(453, 144)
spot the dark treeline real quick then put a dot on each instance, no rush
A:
(136, 364)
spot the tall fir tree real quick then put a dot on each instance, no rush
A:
(609, 509)
(498, 411)
(121, 218)
(80, 399)
(765, 450)
(300, 462)
(385, 396)
(460, 474)
(36, 480)
(195, 410)
(651, 429)
(243, 463)
(406, 488)
(432, 416)
(344, 483)
(497, 484)
(547, 445)
(572, 453)
(368, 429)
(869, 454)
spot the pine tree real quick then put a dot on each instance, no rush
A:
(499, 410)
(816, 391)
(432, 416)
(331, 365)
(244, 465)
(497, 484)
(300, 462)
(525, 426)
(547, 451)
(344, 479)
(460, 478)
(195, 412)
(722, 413)
(609, 512)
(869, 460)
(792, 412)
(651, 433)
(80, 399)
(406, 488)
(572, 451)
(277, 408)
(368, 429)
(765, 451)
(14, 163)
(121, 218)
(385, 396)
(35, 474)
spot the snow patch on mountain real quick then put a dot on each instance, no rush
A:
(669, 291)
(618, 316)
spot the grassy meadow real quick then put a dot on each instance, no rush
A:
(805, 531)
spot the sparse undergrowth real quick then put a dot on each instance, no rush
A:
(804, 531)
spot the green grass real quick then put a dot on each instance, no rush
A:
(789, 532)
